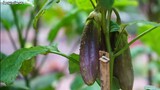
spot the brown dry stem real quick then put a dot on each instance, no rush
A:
(104, 71)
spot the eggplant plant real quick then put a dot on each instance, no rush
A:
(104, 56)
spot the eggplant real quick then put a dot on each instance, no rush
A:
(89, 52)
(123, 69)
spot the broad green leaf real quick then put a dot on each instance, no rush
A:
(95, 86)
(38, 82)
(11, 64)
(27, 66)
(142, 23)
(85, 4)
(156, 78)
(78, 84)
(68, 18)
(2, 56)
(114, 27)
(73, 65)
(151, 39)
(6, 17)
(46, 6)
(123, 3)
(105, 4)
(115, 85)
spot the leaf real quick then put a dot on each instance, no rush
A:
(114, 27)
(2, 56)
(54, 30)
(38, 82)
(74, 65)
(105, 4)
(142, 23)
(6, 17)
(85, 4)
(27, 66)
(78, 84)
(123, 3)
(11, 64)
(95, 86)
(115, 85)
(46, 6)
(151, 39)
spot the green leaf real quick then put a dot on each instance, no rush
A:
(2, 56)
(27, 66)
(78, 84)
(6, 16)
(123, 3)
(115, 85)
(68, 18)
(74, 65)
(38, 82)
(142, 23)
(151, 39)
(11, 64)
(85, 4)
(46, 6)
(95, 86)
(114, 27)
(105, 4)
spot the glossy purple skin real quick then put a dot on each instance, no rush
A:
(89, 53)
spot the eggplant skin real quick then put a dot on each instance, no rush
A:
(123, 69)
(89, 52)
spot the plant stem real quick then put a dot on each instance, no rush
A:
(106, 30)
(92, 4)
(117, 15)
(131, 42)
(28, 26)
(27, 81)
(12, 41)
(21, 40)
